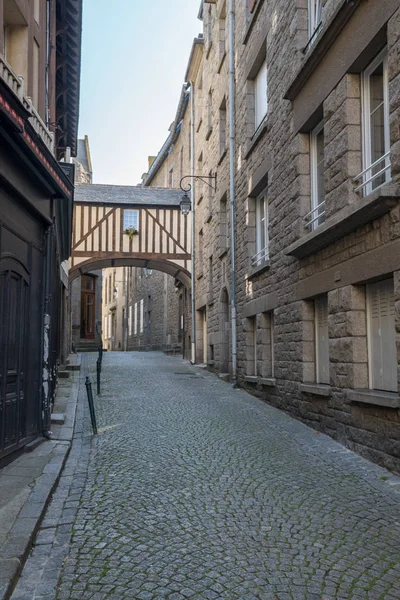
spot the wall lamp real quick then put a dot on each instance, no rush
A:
(185, 203)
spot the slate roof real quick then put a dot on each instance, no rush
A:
(120, 194)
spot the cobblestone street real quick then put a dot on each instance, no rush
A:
(196, 490)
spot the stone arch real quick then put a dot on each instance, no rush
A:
(163, 265)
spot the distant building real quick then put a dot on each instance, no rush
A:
(40, 46)
(85, 291)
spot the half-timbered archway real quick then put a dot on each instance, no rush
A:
(130, 226)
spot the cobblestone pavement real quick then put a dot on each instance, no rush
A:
(196, 490)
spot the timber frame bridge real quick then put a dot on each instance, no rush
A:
(158, 235)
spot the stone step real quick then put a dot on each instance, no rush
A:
(64, 374)
(58, 419)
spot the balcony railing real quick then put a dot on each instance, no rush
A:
(310, 217)
(368, 178)
(16, 85)
(260, 257)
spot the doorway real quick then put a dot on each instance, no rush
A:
(224, 329)
(88, 307)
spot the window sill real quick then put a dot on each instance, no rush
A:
(316, 389)
(258, 135)
(208, 49)
(251, 22)
(222, 251)
(210, 363)
(375, 397)
(251, 379)
(209, 132)
(258, 269)
(210, 299)
(348, 219)
(200, 275)
(267, 381)
(223, 154)
(320, 46)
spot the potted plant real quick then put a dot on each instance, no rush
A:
(130, 232)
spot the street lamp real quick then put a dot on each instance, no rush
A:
(185, 204)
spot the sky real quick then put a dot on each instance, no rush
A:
(134, 58)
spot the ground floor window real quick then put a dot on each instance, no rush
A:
(321, 339)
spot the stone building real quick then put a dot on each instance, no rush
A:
(314, 180)
(40, 45)
(141, 310)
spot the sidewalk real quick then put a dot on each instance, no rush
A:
(27, 484)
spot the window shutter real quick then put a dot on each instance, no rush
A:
(383, 359)
(322, 338)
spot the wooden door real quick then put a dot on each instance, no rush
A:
(14, 290)
(88, 307)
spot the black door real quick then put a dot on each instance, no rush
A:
(14, 295)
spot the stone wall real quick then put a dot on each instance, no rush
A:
(359, 242)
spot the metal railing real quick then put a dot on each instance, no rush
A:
(320, 215)
(369, 178)
(16, 84)
(260, 257)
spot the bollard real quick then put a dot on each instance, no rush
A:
(100, 354)
(91, 404)
(98, 368)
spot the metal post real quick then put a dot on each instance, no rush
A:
(98, 367)
(100, 355)
(91, 404)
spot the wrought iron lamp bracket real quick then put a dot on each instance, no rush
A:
(204, 178)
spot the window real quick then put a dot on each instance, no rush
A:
(105, 328)
(35, 76)
(131, 219)
(262, 250)
(171, 178)
(141, 315)
(381, 336)
(209, 114)
(321, 339)
(222, 128)
(222, 33)
(130, 320)
(314, 16)
(223, 223)
(251, 347)
(375, 111)
(317, 173)
(135, 319)
(201, 252)
(260, 95)
(109, 327)
(266, 344)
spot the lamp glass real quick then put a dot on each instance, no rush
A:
(186, 205)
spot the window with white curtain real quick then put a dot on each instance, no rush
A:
(376, 134)
(317, 214)
(382, 336)
(260, 95)
(314, 16)
(131, 219)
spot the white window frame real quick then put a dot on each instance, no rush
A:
(135, 322)
(260, 92)
(105, 328)
(369, 340)
(141, 315)
(314, 16)
(383, 161)
(131, 219)
(262, 223)
(316, 216)
(130, 320)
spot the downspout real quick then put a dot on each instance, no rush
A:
(232, 144)
(46, 375)
(192, 198)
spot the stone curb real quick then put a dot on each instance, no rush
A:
(16, 548)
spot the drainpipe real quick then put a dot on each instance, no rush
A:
(46, 375)
(192, 198)
(232, 144)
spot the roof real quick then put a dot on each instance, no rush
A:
(68, 42)
(125, 194)
(173, 136)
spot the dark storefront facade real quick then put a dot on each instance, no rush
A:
(36, 203)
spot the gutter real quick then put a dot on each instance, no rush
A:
(232, 147)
